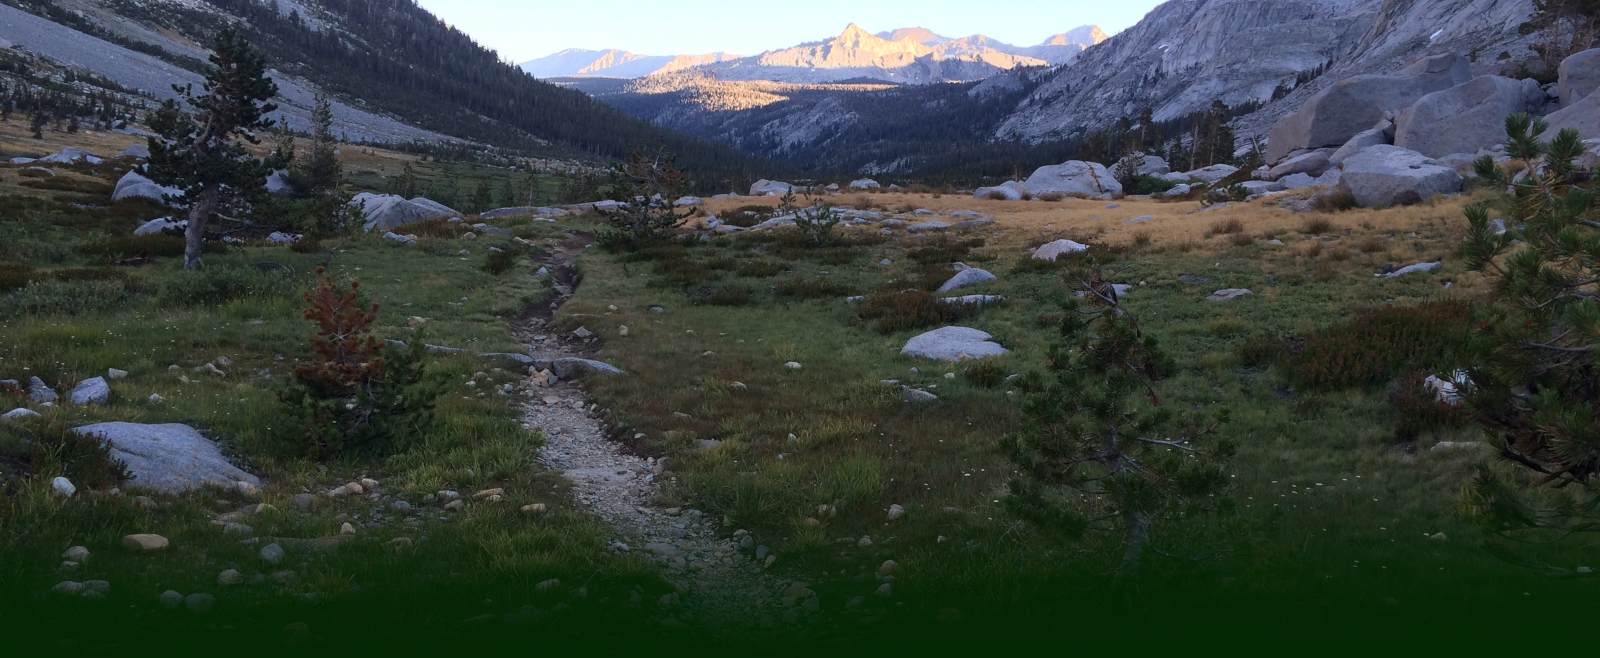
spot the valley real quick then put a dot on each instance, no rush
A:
(1252, 323)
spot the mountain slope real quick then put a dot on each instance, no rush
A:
(1187, 54)
(577, 63)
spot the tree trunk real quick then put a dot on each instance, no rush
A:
(1138, 534)
(194, 236)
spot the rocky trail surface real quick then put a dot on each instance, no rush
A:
(719, 573)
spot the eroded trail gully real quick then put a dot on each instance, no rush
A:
(721, 580)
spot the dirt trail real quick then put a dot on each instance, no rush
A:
(720, 585)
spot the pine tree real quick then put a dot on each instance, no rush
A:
(1533, 380)
(508, 193)
(202, 153)
(648, 183)
(406, 185)
(483, 197)
(1091, 456)
(322, 174)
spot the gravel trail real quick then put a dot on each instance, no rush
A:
(719, 572)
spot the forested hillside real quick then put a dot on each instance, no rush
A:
(396, 57)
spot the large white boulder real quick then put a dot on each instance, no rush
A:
(1337, 113)
(1467, 117)
(1580, 77)
(388, 211)
(1394, 176)
(278, 183)
(953, 344)
(168, 458)
(1075, 177)
(967, 277)
(765, 187)
(1150, 165)
(1212, 173)
(135, 185)
(864, 184)
(139, 151)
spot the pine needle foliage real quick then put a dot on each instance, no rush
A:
(1099, 449)
(1534, 382)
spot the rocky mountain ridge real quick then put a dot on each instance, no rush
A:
(907, 55)
(1186, 54)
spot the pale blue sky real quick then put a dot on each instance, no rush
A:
(528, 29)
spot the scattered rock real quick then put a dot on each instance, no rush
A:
(1413, 269)
(272, 553)
(21, 413)
(134, 185)
(864, 184)
(896, 512)
(1229, 295)
(113, 374)
(884, 590)
(918, 396)
(39, 392)
(93, 391)
(535, 508)
(1012, 191)
(927, 226)
(170, 600)
(144, 543)
(1212, 173)
(1058, 249)
(63, 487)
(792, 365)
(766, 187)
(969, 277)
(230, 577)
(77, 554)
(1312, 164)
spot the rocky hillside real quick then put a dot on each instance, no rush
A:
(1186, 54)
(400, 74)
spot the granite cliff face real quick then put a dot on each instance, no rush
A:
(1188, 53)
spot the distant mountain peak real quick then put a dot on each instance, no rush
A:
(921, 35)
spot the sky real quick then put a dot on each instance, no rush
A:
(523, 30)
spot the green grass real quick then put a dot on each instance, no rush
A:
(485, 559)
(1333, 513)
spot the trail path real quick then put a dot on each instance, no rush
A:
(720, 585)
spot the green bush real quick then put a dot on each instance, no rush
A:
(33, 448)
(895, 311)
(504, 260)
(41, 298)
(1150, 185)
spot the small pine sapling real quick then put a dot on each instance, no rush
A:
(816, 221)
(647, 187)
(1098, 449)
(350, 396)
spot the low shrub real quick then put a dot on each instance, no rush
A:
(52, 450)
(757, 269)
(1418, 409)
(503, 259)
(1375, 346)
(1262, 350)
(14, 276)
(723, 296)
(217, 285)
(944, 251)
(49, 297)
(892, 311)
(307, 246)
(986, 373)
(1317, 226)
(1227, 226)
(1337, 200)
(1151, 185)
(811, 288)
(681, 272)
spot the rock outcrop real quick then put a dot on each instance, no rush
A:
(1384, 176)
(1351, 106)
(1583, 116)
(1466, 117)
(765, 187)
